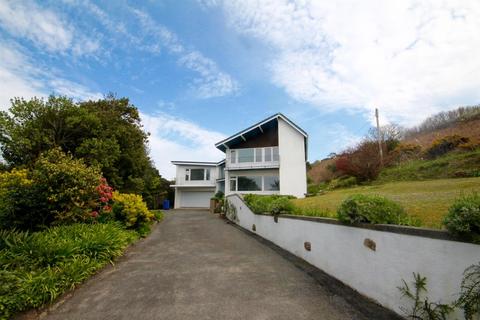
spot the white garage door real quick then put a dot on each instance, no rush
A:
(196, 199)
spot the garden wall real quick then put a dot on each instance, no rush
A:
(371, 259)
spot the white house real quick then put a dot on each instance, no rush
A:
(266, 158)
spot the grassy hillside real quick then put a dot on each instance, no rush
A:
(452, 165)
(427, 200)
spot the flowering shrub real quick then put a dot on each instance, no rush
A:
(58, 189)
(105, 196)
(66, 185)
(17, 196)
(131, 210)
(444, 145)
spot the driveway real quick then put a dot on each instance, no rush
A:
(196, 266)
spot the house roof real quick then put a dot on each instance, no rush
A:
(195, 163)
(256, 129)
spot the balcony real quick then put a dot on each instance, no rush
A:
(252, 158)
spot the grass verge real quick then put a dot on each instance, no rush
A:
(38, 267)
(426, 200)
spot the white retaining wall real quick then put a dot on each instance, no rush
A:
(340, 251)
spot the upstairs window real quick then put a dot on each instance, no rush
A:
(197, 174)
(233, 156)
(187, 174)
(245, 155)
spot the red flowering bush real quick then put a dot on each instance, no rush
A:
(105, 195)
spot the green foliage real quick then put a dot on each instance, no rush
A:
(38, 267)
(469, 299)
(131, 210)
(67, 186)
(106, 133)
(273, 204)
(342, 182)
(58, 189)
(444, 145)
(422, 308)
(360, 208)
(463, 218)
(158, 215)
(219, 195)
(17, 199)
(451, 165)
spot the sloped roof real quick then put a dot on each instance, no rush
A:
(257, 128)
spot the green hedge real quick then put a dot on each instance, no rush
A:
(38, 267)
(272, 204)
(463, 218)
(371, 209)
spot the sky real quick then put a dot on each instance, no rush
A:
(202, 70)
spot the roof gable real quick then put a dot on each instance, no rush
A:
(257, 129)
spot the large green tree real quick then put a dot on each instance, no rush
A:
(106, 133)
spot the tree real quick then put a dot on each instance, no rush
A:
(106, 133)
(391, 135)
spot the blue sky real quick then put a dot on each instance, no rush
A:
(202, 70)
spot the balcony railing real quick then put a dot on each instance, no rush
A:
(266, 157)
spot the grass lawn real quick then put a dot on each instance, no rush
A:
(428, 200)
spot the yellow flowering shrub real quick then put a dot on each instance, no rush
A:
(15, 194)
(131, 210)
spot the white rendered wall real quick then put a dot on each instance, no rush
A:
(339, 251)
(293, 171)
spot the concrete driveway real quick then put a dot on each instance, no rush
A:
(196, 266)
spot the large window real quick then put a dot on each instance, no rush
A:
(197, 174)
(245, 155)
(253, 183)
(271, 183)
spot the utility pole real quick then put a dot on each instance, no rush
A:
(379, 138)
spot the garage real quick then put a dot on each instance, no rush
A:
(195, 199)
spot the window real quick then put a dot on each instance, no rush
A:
(233, 184)
(233, 156)
(258, 155)
(207, 174)
(268, 154)
(253, 183)
(197, 174)
(187, 174)
(275, 153)
(271, 183)
(245, 155)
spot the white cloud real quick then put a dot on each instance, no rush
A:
(178, 139)
(409, 58)
(44, 27)
(211, 82)
(22, 77)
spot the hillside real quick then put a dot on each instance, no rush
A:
(463, 122)
(469, 129)
(427, 200)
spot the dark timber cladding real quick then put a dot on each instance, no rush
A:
(269, 138)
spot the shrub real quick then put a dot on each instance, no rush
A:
(463, 218)
(17, 201)
(67, 185)
(131, 210)
(444, 145)
(362, 162)
(274, 204)
(38, 267)
(404, 152)
(469, 299)
(371, 209)
(344, 182)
